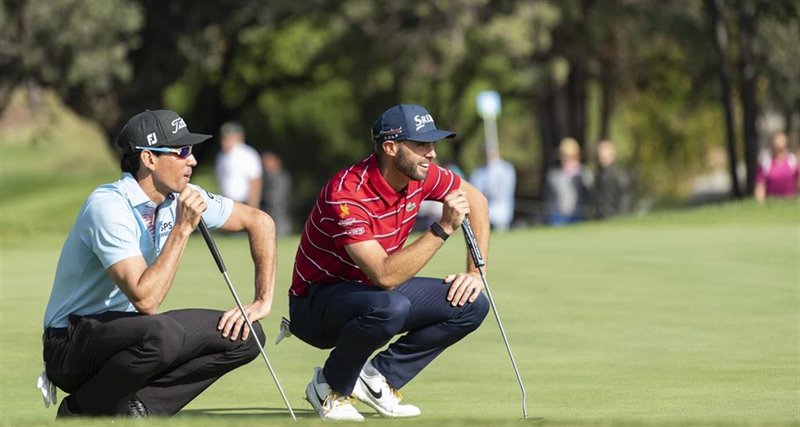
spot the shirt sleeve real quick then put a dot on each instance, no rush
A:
(219, 208)
(439, 183)
(252, 166)
(109, 228)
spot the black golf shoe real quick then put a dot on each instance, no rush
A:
(136, 409)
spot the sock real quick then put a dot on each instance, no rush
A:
(370, 370)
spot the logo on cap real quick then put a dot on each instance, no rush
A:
(152, 139)
(391, 133)
(421, 121)
(177, 125)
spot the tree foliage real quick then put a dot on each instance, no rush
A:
(308, 78)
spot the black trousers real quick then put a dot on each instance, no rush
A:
(356, 319)
(164, 360)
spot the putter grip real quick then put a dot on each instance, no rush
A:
(211, 245)
(472, 244)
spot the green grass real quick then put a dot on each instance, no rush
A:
(676, 318)
(686, 317)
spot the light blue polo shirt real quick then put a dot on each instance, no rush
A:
(112, 225)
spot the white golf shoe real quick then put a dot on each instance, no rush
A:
(374, 391)
(329, 404)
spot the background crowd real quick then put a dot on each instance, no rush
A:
(690, 92)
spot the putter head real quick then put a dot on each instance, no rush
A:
(284, 331)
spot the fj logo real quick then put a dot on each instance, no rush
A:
(177, 125)
(152, 139)
(421, 121)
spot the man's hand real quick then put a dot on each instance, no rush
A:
(190, 207)
(232, 322)
(454, 207)
(463, 287)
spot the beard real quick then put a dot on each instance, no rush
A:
(408, 167)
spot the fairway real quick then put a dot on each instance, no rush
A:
(675, 318)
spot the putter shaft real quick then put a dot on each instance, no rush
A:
(475, 252)
(221, 265)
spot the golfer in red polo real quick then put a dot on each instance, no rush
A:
(354, 286)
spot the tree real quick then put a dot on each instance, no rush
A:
(748, 75)
(77, 48)
(720, 35)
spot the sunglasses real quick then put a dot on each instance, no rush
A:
(182, 152)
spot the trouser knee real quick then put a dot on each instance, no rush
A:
(475, 312)
(250, 346)
(386, 319)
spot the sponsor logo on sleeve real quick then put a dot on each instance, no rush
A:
(355, 231)
(344, 211)
(213, 196)
(347, 221)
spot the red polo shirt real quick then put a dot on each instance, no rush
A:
(357, 205)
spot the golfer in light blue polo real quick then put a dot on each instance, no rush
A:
(105, 342)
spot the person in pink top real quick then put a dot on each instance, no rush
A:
(777, 174)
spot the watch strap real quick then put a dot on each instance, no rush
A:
(438, 231)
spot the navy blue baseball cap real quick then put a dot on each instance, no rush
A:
(407, 122)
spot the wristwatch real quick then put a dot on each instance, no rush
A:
(438, 231)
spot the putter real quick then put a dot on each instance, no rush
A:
(221, 265)
(469, 236)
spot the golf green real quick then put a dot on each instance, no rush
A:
(675, 318)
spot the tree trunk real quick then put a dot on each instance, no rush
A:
(576, 99)
(606, 90)
(545, 108)
(747, 69)
(720, 37)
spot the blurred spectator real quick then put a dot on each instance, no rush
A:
(611, 185)
(276, 190)
(238, 166)
(497, 180)
(566, 194)
(777, 173)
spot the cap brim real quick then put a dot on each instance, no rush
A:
(432, 136)
(190, 139)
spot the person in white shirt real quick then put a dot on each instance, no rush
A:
(238, 167)
(497, 180)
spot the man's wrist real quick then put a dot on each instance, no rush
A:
(439, 232)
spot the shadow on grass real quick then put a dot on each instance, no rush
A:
(254, 412)
(280, 413)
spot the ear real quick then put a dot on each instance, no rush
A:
(390, 148)
(148, 160)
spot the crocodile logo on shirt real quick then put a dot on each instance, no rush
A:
(410, 207)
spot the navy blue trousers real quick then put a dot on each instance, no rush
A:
(356, 320)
